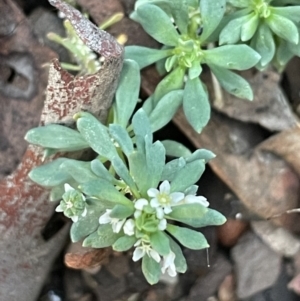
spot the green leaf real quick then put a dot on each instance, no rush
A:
(157, 24)
(263, 43)
(146, 56)
(231, 33)
(155, 160)
(173, 81)
(172, 168)
(50, 174)
(89, 223)
(175, 149)
(290, 12)
(210, 218)
(239, 3)
(249, 28)
(238, 57)
(121, 212)
(189, 238)
(121, 136)
(124, 243)
(151, 269)
(102, 238)
(160, 243)
(56, 136)
(232, 82)
(127, 93)
(165, 109)
(96, 134)
(180, 262)
(180, 12)
(104, 190)
(101, 171)
(283, 27)
(190, 214)
(195, 70)
(188, 175)
(195, 104)
(142, 129)
(80, 171)
(201, 154)
(212, 13)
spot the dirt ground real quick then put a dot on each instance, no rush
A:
(253, 181)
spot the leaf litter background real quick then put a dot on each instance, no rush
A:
(253, 180)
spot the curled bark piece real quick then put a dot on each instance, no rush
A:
(25, 256)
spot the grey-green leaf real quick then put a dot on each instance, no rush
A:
(175, 149)
(165, 109)
(145, 56)
(157, 24)
(160, 242)
(122, 137)
(56, 136)
(195, 104)
(121, 212)
(151, 269)
(212, 13)
(189, 238)
(127, 92)
(124, 243)
(232, 82)
(180, 262)
(96, 134)
(238, 57)
(283, 27)
(102, 238)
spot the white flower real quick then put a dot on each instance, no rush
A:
(143, 248)
(129, 227)
(191, 199)
(168, 264)
(139, 205)
(162, 224)
(162, 198)
(116, 223)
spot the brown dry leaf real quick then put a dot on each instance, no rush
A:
(265, 183)
(269, 108)
(78, 257)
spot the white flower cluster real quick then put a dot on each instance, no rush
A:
(161, 202)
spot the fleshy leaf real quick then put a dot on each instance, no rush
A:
(124, 243)
(56, 136)
(290, 12)
(160, 243)
(232, 82)
(211, 14)
(121, 212)
(180, 262)
(190, 214)
(145, 56)
(263, 43)
(165, 109)
(187, 176)
(50, 174)
(284, 28)
(195, 104)
(102, 238)
(238, 57)
(157, 24)
(128, 92)
(175, 149)
(180, 14)
(89, 223)
(122, 138)
(96, 134)
(100, 170)
(151, 269)
(201, 154)
(103, 190)
(249, 27)
(189, 238)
